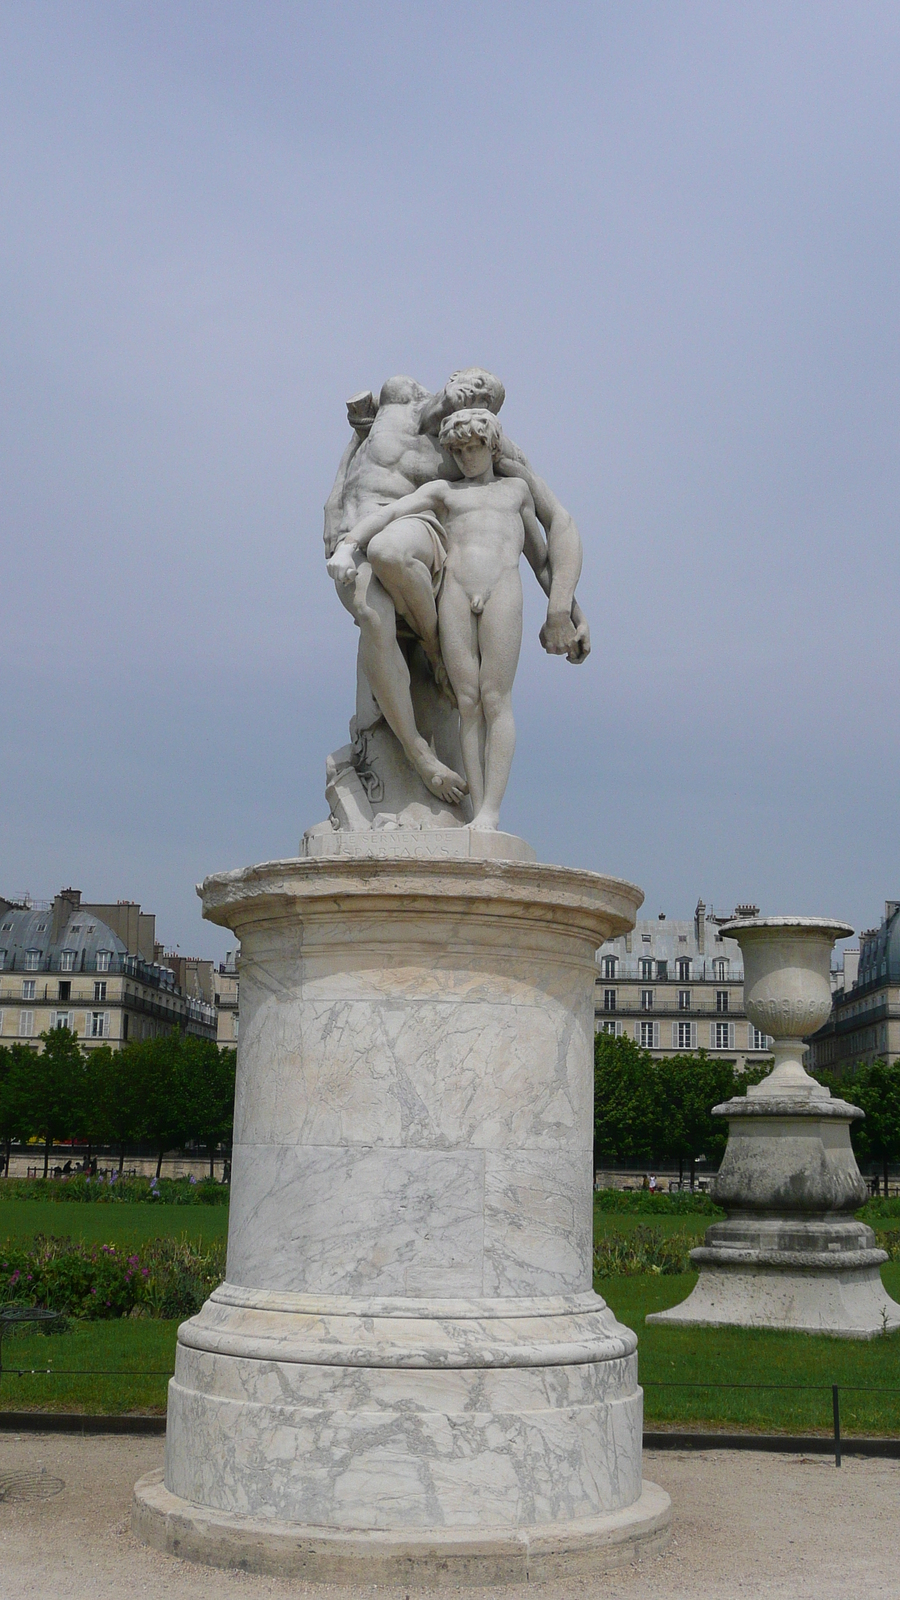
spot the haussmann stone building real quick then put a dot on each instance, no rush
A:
(674, 987)
(864, 1025)
(92, 968)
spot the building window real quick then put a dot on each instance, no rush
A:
(758, 1041)
(683, 968)
(646, 999)
(124, 1021)
(684, 999)
(646, 968)
(2, 959)
(234, 1026)
(28, 988)
(649, 1035)
(99, 1024)
(722, 1036)
(67, 961)
(103, 960)
(608, 1027)
(609, 999)
(65, 990)
(100, 991)
(32, 960)
(685, 1035)
(609, 965)
(61, 1019)
(662, 970)
(721, 999)
(720, 969)
(6, 927)
(26, 1024)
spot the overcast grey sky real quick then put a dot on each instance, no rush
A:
(672, 228)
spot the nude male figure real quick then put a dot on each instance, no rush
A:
(487, 523)
(395, 449)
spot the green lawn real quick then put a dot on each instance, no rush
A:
(125, 1222)
(694, 1356)
(131, 1362)
(135, 1356)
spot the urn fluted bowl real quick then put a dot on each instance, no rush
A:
(787, 985)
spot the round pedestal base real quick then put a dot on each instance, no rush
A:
(413, 1556)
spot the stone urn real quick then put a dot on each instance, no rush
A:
(787, 991)
(790, 1253)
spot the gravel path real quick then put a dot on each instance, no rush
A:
(765, 1526)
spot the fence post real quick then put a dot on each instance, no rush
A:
(836, 1410)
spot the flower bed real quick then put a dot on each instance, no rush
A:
(163, 1278)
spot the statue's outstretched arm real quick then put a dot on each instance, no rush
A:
(334, 503)
(564, 632)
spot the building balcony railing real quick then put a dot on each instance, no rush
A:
(116, 965)
(668, 1008)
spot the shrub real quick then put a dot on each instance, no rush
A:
(101, 1191)
(163, 1278)
(645, 1250)
(668, 1205)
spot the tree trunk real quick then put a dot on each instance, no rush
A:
(680, 1171)
(159, 1163)
(8, 1156)
(121, 1157)
(212, 1157)
(885, 1177)
(48, 1143)
(692, 1174)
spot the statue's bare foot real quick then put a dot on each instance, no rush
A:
(485, 822)
(440, 780)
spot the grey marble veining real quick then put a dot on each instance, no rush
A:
(408, 1338)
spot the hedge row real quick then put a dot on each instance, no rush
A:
(100, 1191)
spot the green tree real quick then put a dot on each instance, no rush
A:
(12, 1121)
(687, 1088)
(119, 1109)
(208, 1090)
(649, 1110)
(625, 1102)
(49, 1088)
(875, 1088)
(160, 1091)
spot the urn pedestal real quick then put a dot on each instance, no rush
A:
(407, 1376)
(790, 1253)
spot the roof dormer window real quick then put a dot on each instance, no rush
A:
(67, 961)
(103, 959)
(32, 960)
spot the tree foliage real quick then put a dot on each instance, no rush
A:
(168, 1092)
(874, 1086)
(651, 1110)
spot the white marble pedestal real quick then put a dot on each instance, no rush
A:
(407, 1376)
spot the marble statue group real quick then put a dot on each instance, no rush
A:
(430, 512)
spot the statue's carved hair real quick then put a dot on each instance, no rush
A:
(494, 393)
(474, 423)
